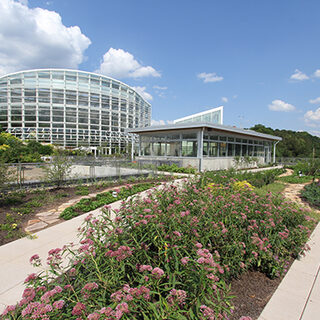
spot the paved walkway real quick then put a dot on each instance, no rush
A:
(298, 295)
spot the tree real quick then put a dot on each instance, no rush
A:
(58, 170)
(6, 176)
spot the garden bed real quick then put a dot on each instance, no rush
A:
(17, 208)
(172, 256)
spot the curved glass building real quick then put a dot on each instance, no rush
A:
(71, 108)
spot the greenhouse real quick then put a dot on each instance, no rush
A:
(205, 146)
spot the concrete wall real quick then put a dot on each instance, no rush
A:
(207, 163)
(224, 163)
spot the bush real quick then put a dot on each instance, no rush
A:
(309, 168)
(257, 179)
(175, 168)
(311, 193)
(295, 179)
(86, 205)
(168, 256)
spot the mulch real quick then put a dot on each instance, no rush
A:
(252, 291)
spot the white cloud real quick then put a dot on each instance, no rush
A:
(160, 88)
(160, 91)
(118, 63)
(279, 105)
(298, 75)
(143, 93)
(37, 38)
(209, 77)
(315, 133)
(160, 122)
(315, 101)
(317, 73)
(224, 99)
(312, 116)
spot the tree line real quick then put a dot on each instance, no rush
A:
(294, 144)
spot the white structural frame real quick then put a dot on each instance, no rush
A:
(71, 108)
(199, 114)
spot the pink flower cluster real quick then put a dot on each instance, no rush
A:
(208, 312)
(207, 258)
(121, 253)
(177, 297)
(156, 272)
(37, 310)
(128, 294)
(49, 294)
(88, 288)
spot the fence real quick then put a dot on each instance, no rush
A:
(81, 169)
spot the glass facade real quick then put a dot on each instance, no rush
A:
(71, 108)
(214, 116)
(214, 145)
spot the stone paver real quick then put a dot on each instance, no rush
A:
(45, 219)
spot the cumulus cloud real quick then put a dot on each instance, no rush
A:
(118, 63)
(312, 118)
(143, 93)
(209, 77)
(37, 38)
(317, 73)
(298, 75)
(224, 99)
(279, 105)
(315, 101)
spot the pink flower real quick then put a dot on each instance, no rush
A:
(157, 272)
(123, 307)
(8, 309)
(198, 245)
(30, 277)
(58, 304)
(177, 233)
(184, 260)
(93, 316)
(144, 267)
(78, 308)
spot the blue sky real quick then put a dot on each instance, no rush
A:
(259, 59)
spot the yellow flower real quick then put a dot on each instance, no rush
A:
(14, 226)
(165, 249)
(242, 185)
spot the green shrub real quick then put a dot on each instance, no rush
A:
(295, 179)
(82, 190)
(105, 198)
(311, 193)
(175, 168)
(257, 179)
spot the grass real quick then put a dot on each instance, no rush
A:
(295, 179)
(276, 187)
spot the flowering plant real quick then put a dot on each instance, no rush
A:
(170, 255)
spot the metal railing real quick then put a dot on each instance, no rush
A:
(81, 170)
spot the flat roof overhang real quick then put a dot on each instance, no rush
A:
(214, 127)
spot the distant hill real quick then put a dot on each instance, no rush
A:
(294, 144)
